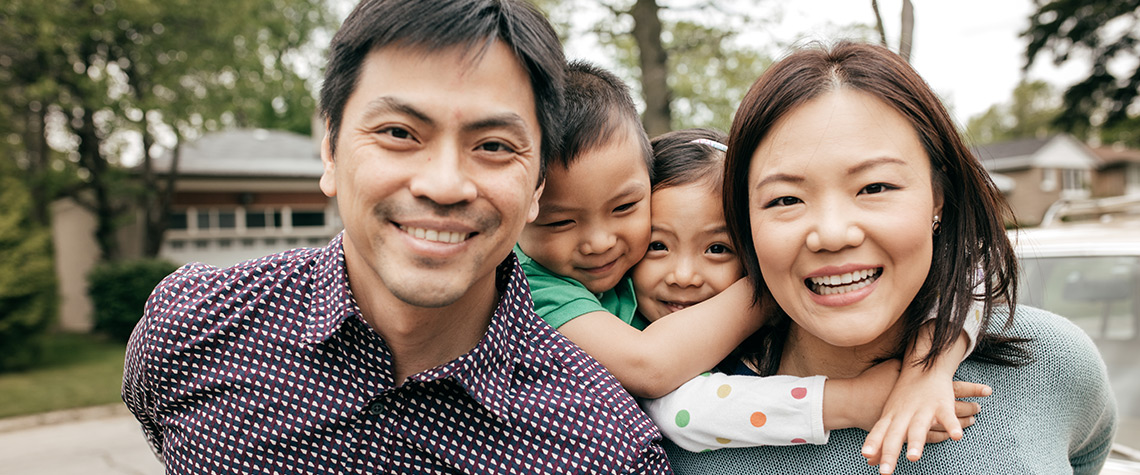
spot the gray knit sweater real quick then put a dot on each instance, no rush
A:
(1054, 416)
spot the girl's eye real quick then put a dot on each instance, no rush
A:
(876, 188)
(719, 249)
(657, 246)
(783, 201)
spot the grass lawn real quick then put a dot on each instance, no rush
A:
(77, 370)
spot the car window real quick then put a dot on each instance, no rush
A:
(1098, 293)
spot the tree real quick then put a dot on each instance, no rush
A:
(906, 28)
(1107, 33)
(688, 67)
(94, 78)
(28, 296)
(1030, 114)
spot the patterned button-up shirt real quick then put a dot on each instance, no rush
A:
(269, 367)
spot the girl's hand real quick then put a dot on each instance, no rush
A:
(921, 408)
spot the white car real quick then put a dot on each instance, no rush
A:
(1088, 270)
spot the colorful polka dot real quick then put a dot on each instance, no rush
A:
(758, 419)
(798, 440)
(723, 440)
(723, 391)
(682, 418)
(799, 393)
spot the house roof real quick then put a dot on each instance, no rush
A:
(1057, 151)
(248, 153)
(1117, 154)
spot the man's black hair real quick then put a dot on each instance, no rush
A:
(435, 25)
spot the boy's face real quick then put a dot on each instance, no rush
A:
(690, 257)
(593, 220)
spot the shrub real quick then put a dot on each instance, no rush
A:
(28, 298)
(119, 291)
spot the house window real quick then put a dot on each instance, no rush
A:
(1048, 179)
(256, 219)
(1074, 183)
(308, 219)
(227, 219)
(204, 219)
(177, 220)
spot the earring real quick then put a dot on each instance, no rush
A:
(936, 228)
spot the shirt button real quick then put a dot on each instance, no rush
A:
(375, 408)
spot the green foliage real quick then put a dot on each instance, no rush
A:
(1105, 32)
(75, 370)
(708, 75)
(119, 290)
(28, 299)
(1030, 114)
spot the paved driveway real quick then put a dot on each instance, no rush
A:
(95, 441)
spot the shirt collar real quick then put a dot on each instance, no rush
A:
(486, 372)
(332, 299)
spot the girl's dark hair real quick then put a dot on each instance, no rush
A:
(436, 25)
(972, 241)
(678, 160)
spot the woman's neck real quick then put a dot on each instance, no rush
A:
(806, 355)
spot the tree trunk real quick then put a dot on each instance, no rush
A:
(92, 159)
(906, 33)
(879, 24)
(658, 116)
(157, 199)
(38, 156)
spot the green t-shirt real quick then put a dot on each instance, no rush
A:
(559, 299)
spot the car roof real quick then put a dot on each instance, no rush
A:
(1121, 237)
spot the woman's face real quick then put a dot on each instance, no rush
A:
(690, 255)
(841, 203)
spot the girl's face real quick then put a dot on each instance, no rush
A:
(841, 202)
(690, 257)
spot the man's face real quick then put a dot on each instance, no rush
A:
(435, 174)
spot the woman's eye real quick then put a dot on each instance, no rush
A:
(783, 201)
(875, 188)
(719, 249)
(657, 246)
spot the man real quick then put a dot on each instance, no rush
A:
(409, 344)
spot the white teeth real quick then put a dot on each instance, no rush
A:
(436, 236)
(848, 282)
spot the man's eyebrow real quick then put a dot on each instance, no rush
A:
(510, 121)
(389, 104)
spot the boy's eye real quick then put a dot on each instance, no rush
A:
(624, 207)
(719, 249)
(657, 246)
(559, 224)
(783, 201)
(876, 188)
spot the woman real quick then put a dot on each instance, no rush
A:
(856, 206)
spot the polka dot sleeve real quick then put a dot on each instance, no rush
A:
(717, 410)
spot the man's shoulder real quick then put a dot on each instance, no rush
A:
(197, 283)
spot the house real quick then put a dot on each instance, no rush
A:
(1118, 173)
(240, 194)
(1035, 173)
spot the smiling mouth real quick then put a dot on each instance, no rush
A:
(843, 283)
(447, 237)
(677, 306)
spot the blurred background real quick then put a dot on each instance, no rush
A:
(139, 135)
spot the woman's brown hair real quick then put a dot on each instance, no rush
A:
(972, 241)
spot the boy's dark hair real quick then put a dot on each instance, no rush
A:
(435, 25)
(598, 106)
(680, 158)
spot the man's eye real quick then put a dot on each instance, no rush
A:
(495, 147)
(396, 132)
(657, 246)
